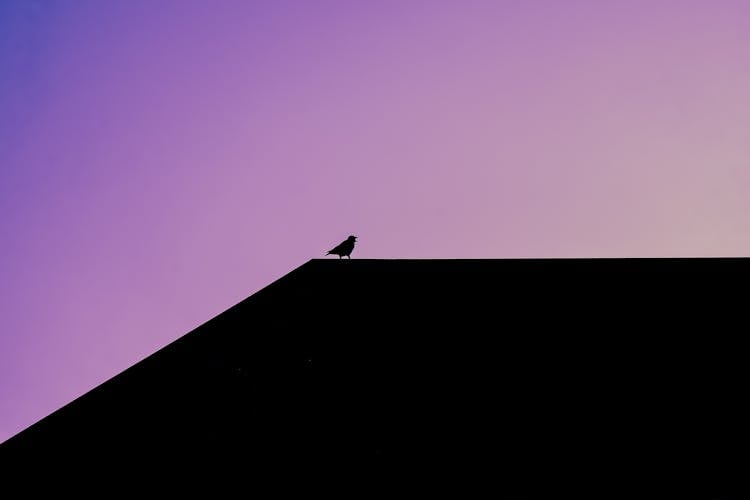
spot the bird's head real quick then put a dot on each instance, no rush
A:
(352, 238)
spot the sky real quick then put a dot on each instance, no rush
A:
(161, 160)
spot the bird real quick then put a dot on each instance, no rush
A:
(344, 248)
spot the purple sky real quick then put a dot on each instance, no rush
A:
(160, 160)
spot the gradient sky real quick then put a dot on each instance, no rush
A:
(160, 160)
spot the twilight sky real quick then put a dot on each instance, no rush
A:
(160, 160)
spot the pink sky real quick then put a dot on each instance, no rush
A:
(163, 160)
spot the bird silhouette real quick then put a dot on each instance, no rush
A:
(344, 248)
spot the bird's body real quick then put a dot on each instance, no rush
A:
(344, 248)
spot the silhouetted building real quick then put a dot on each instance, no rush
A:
(586, 378)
